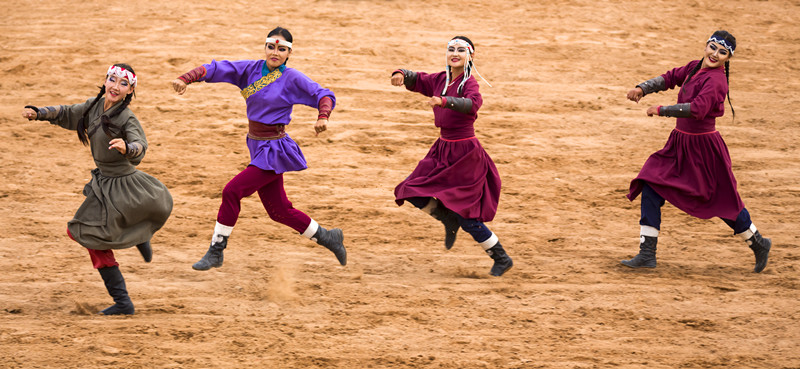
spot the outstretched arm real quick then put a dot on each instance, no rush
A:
(647, 87)
(405, 77)
(194, 75)
(46, 113)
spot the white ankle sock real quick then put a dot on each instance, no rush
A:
(219, 231)
(748, 233)
(648, 231)
(490, 242)
(311, 230)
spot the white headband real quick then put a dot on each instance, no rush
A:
(460, 42)
(122, 73)
(271, 40)
(721, 42)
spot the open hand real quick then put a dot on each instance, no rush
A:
(119, 145)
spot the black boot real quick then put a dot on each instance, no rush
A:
(450, 221)
(333, 240)
(760, 246)
(213, 257)
(502, 262)
(146, 251)
(647, 254)
(115, 285)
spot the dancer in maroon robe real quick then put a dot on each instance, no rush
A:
(693, 170)
(457, 182)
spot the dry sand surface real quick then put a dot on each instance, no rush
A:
(556, 122)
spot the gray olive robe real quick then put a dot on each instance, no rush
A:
(124, 206)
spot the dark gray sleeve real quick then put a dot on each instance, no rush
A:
(47, 112)
(678, 110)
(459, 104)
(409, 78)
(653, 85)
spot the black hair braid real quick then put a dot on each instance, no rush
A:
(105, 120)
(82, 135)
(727, 68)
(694, 70)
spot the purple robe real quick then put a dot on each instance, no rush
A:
(693, 170)
(270, 105)
(456, 170)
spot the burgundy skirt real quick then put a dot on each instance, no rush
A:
(460, 174)
(692, 172)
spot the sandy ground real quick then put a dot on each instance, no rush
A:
(556, 122)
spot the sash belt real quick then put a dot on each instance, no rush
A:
(264, 132)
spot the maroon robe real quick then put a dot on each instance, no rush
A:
(456, 170)
(693, 170)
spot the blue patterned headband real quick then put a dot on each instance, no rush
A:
(723, 43)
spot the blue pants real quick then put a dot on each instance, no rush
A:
(479, 231)
(651, 212)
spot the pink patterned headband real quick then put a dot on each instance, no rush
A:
(122, 73)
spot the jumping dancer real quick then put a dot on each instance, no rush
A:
(270, 89)
(693, 170)
(124, 206)
(457, 182)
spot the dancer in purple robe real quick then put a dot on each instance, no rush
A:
(270, 89)
(693, 170)
(457, 182)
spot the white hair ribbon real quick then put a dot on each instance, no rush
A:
(468, 66)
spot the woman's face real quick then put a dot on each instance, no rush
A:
(457, 56)
(715, 55)
(117, 88)
(277, 54)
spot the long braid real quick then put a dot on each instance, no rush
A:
(696, 68)
(727, 68)
(106, 119)
(82, 135)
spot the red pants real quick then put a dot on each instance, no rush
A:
(270, 190)
(100, 258)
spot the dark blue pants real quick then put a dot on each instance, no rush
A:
(651, 212)
(479, 231)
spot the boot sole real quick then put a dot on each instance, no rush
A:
(501, 273)
(636, 266)
(202, 269)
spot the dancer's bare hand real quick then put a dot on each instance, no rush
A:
(635, 94)
(119, 145)
(179, 86)
(29, 113)
(397, 79)
(435, 101)
(653, 110)
(320, 126)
